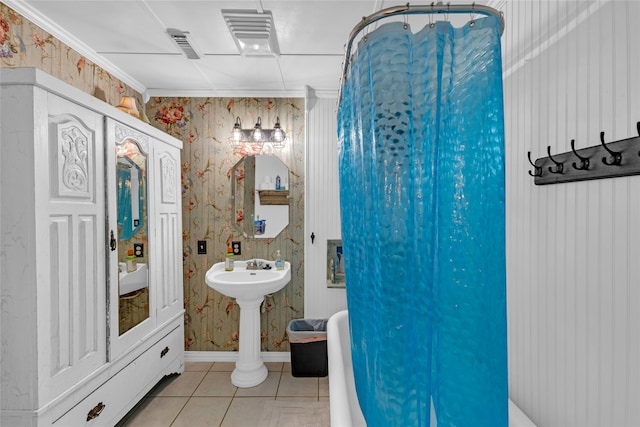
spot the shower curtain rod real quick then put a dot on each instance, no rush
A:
(410, 10)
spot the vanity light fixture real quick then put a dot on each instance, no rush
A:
(257, 136)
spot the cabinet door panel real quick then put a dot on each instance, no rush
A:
(72, 253)
(169, 232)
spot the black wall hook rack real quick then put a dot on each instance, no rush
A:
(605, 160)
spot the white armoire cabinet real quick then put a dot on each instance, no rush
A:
(84, 333)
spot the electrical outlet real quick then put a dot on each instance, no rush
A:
(138, 250)
(202, 247)
(237, 248)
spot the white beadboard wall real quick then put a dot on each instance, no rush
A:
(322, 205)
(572, 69)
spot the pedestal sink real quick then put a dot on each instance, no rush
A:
(249, 288)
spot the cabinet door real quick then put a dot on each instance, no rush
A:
(71, 245)
(167, 204)
(131, 286)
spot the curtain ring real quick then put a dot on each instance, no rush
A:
(431, 23)
(406, 18)
(365, 30)
(472, 22)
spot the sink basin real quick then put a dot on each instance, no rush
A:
(135, 280)
(242, 283)
(248, 287)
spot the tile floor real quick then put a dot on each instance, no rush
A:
(204, 396)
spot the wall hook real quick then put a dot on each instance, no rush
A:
(584, 161)
(537, 169)
(559, 166)
(616, 157)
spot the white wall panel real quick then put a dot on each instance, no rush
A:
(322, 209)
(571, 72)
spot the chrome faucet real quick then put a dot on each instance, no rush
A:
(254, 264)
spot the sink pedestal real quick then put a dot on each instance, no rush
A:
(248, 287)
(250, 369)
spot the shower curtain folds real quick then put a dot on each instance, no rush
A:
(421, 159)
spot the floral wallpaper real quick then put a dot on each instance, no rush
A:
(24, 44)
(205, 124)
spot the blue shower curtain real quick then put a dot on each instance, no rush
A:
(421, 159)
(126, 227)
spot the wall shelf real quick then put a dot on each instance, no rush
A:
(274, 197)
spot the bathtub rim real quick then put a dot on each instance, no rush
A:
(344, 407)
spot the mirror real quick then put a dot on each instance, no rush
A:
(260, 196)
(131, 204)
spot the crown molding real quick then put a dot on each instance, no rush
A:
(213, 93)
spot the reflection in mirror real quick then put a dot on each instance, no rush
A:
(133, 270)
(260, 195)
(242, 187)
(128, 176)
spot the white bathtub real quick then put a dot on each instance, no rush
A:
(344, 406)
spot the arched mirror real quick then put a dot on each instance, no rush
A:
(260, 195)
(131, 202)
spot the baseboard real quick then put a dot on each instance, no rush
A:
(232, 356)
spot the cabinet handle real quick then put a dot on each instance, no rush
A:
(164, 352)
(112, 242)
(95, 411)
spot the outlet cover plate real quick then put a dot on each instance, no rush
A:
(237, 248)
(138, 250)
(202, 247)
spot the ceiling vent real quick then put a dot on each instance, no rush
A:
(183, 42)
(252, 31)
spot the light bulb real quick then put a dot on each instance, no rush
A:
(278, 135)
(257, 131)
(236, 133)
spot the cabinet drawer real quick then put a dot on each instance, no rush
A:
(111, 401)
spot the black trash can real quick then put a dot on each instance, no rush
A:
(308, 341)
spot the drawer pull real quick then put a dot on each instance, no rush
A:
(164, 352)
(95, 411)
